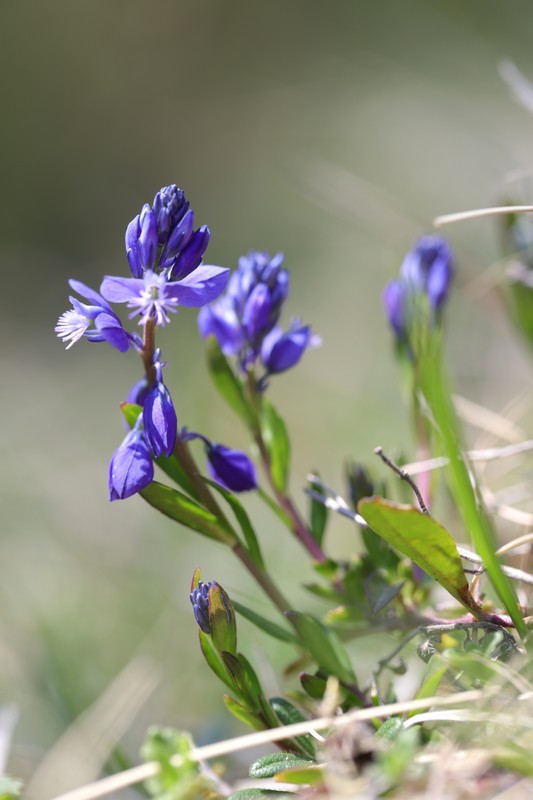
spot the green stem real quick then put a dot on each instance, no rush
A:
(204, 494)
(296, 525)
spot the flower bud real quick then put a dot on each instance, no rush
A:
(281, 351)
(159, 420)
(215, 615)
(231, 468)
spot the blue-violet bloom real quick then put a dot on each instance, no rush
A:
(282, 350)
(251, 307)
(232, 469)
(95, 320)
(427, 270)
(131, 468)
(153, 296)
(162, 236)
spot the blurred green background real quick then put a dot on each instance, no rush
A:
(334, 132)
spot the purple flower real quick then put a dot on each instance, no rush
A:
(244, 320)
(200, 603)
(281, 351)
(95, 320)
(426, 272)
(232, 469)
(428, 268)
(153, 296)
(162, 236)
(159, 420)
(131, 468)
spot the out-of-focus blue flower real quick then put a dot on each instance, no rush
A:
(200, 603)
(159, 418)
(131, 468)
(426, 271)
(232, 469)
(244, 321)
(95, 320)
(282, 350)
(162, 236)
(153, 296)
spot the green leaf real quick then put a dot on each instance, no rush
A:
(226, 381)
(289, 714)
(160, 745)
(318, 513)
(181, 508)
(249, 687)
(265, 624)
(323, 646)
(422, 539)
(9, 788)
(390, 729)
(466, 493)
(276, 439)
(243, 714)
(301, 776)
(222, 620)
(214, 660)
(269, 766)
(243, 519)
(313, 685)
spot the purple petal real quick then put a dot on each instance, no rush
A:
(221, 322)
(200, 287)
(256, 313)
(121, 290)
(191, 256)
(112, 331)
(131, 468)
(89, 294)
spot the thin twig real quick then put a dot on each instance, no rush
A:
(477, 213)
(405, 477)
(144, 771)
(511, 572)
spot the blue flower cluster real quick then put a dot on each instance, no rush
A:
(164, 254)
(426, 272)
(244, 321)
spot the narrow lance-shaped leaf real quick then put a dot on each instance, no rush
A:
(277, 443)
(181, 508)
(323, 646)
(422, 539)
(243, 519)
(226, 381)
(265, 625)
(462, 480)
